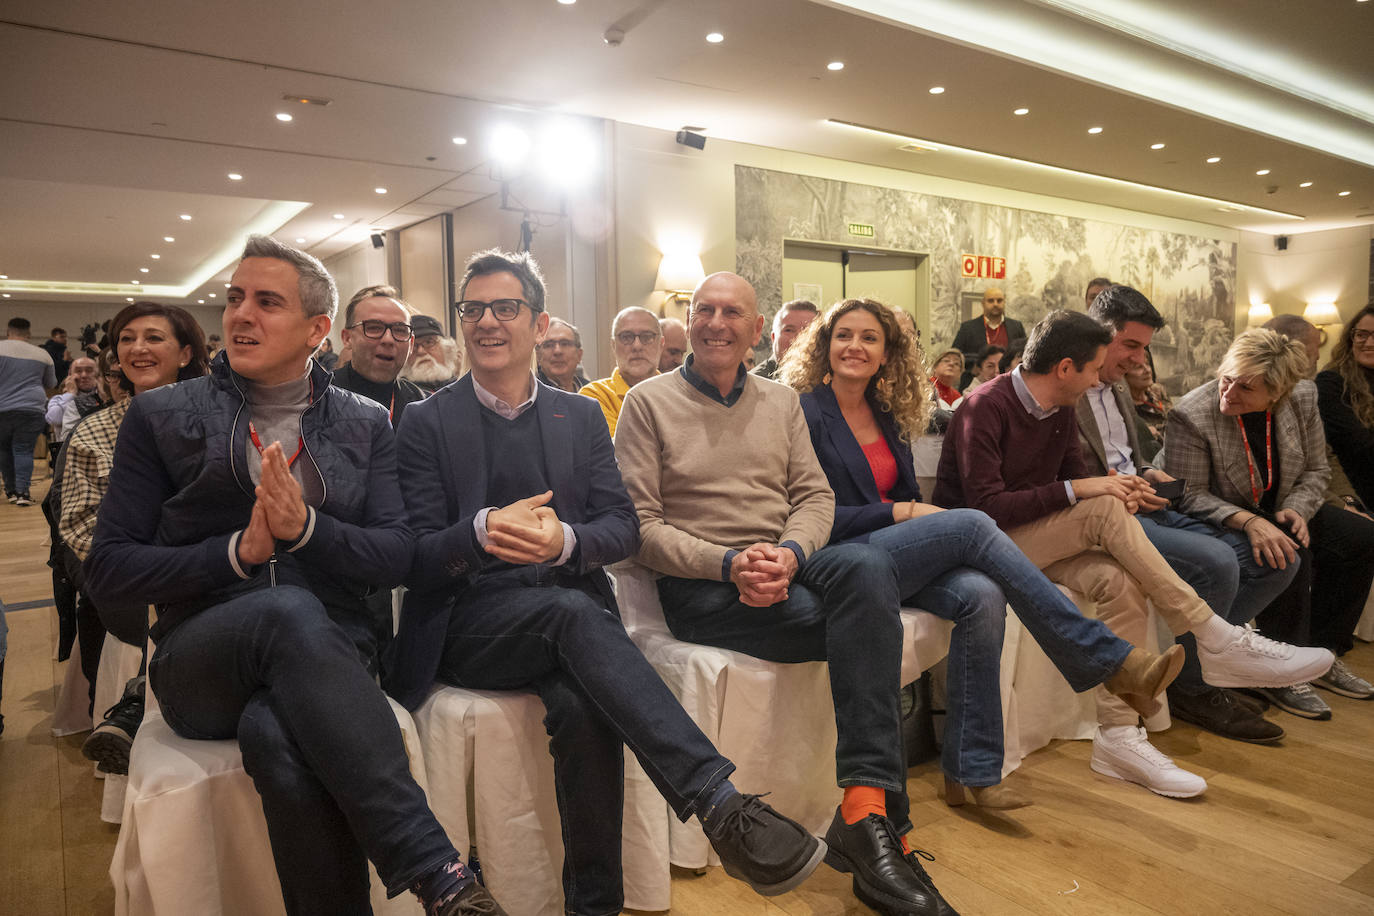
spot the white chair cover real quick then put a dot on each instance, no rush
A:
(119, 662)
(491, 786)
(1365, 628)
(69, 714)
(194, 839)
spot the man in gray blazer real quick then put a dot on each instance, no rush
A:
(1217, 563)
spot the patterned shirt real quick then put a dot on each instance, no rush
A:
(90, 452)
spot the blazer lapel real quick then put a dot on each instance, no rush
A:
(1288, 441)
(555, 432)
(467, 445)
(1087, 425)
(845, 445)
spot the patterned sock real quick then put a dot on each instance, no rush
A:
(861, 801)
(440, 886)
(723, 791)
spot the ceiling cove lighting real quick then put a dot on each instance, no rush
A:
(1021, 111)
(714, 38)
(1118, 182)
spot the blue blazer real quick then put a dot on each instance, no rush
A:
(441, 458)
(858, 508)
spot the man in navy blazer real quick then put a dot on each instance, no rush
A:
(517, 504)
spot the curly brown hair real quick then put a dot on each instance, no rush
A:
(899, 387)
(1355, 376)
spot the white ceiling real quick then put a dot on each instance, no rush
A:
(117, 118)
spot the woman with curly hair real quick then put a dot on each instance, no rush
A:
(864, 394)
(1345, 398)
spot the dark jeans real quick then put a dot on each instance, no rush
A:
(1218, 565)
(19, 432)
(959, 566)
(842, 608)
(272, 669)
(1327, 597)
(530, 627)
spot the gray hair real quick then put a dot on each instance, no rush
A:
(318, 294)
(519, 263)
(577, 335)
(634, 310)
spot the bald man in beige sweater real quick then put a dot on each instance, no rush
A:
(734, 512)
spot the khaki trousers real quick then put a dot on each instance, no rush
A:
(1096, 548)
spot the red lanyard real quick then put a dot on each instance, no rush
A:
(300, 446)
(1268, 457)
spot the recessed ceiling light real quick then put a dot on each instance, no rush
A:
(7, 295)
(1262, 172)
(835, 65)
(235, 176)
(4, 276)
(714, 38)
(226, 286)
(1343, 194)
(1305, 184)
(1021, 111)
(936, 90)
(1213, 160)
(567, 2)
(338, 216)
(460, 141)
(200, 302)
(300, 241)
(143, 270)
(1094, 130)
(168, 238)
(155, 256)
(128, 298)
(1156, 146)
(186, 216)
(380, 190)
(136, 282)
(209, 295)
(283, 116)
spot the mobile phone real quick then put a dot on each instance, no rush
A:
(1170, 489)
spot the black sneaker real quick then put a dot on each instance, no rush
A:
(23, 499)
(883, 877)
(11, 496)
(1219, 712)
(472, 900)
(769, 852)
(109, 744)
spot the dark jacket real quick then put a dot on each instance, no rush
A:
(443, 464)
(1350, 440)
(395, 397)
(859, 510)
(179, 491)
(972, 338)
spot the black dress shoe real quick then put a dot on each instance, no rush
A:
(1219, 712)
(883, 879)
(913, 859)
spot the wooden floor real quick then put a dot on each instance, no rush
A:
(1286, 829)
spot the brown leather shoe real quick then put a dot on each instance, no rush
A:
(1143, 676)
(1000, 796)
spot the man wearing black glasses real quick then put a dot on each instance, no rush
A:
(516, 503)
(637, 339)
(377, 330)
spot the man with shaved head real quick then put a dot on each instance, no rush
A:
(378, 333)
(992, 328)
(637, 340)
(735, 517)
(674, 350)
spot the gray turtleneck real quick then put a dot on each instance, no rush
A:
(275, 411)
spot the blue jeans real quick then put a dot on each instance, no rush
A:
(533, 627)
(19, 432)
(272, 669)
(843, 608)
(960, 566)
(1220, 567)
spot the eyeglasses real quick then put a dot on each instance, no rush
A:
(1361, 337)
(627, 338)
(472, 310)
(550, 345)
(113, 376)
(373, 330)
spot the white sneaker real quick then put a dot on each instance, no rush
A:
(1252, 660)
(1125, 752)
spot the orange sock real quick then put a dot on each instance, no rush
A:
(861, 801)
(906, 847)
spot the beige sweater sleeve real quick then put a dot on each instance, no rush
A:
(808, 490)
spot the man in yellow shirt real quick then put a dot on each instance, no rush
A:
(638, 340)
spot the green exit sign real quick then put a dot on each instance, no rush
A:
(861, 230)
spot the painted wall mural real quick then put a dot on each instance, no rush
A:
(1049, 259)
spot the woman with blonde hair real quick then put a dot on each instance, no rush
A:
(864, 394)
(1345, 398)
(1251, 447)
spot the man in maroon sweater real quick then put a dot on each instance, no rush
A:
(1012, 450)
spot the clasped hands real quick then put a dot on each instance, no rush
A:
(762, 573)
(527, 532)
(1132, 489)
(279, 512)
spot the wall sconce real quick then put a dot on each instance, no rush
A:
(1320, 314)
(1260, 313)
(678, 274)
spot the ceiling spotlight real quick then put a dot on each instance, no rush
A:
(1094, 130)
(300, 241)
(936, 90)
(186, 216)
(1213, 160)
(154, 256)
(283, 116)
(168, 238)
(714, 38)
(7, 295)
(338, 216)
(1262, 172)
(200, 302)
(835, 65)
(460, 141)
(509, 145)
(143, 270)
(1156, 146)
(1343, 194)
(128, 298)
(567, 153)
(1305, 184)
(226, 286)
(567, 2)
(235, 176)
(1021, 111)
(136, 282)
(380, 190)
(4, 276)
(209, 295)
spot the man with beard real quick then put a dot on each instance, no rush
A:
(377, 332)
(434, 360)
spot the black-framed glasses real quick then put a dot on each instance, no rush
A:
(1361, 336)
(627, 338)
(373, 330)
(472, 310)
